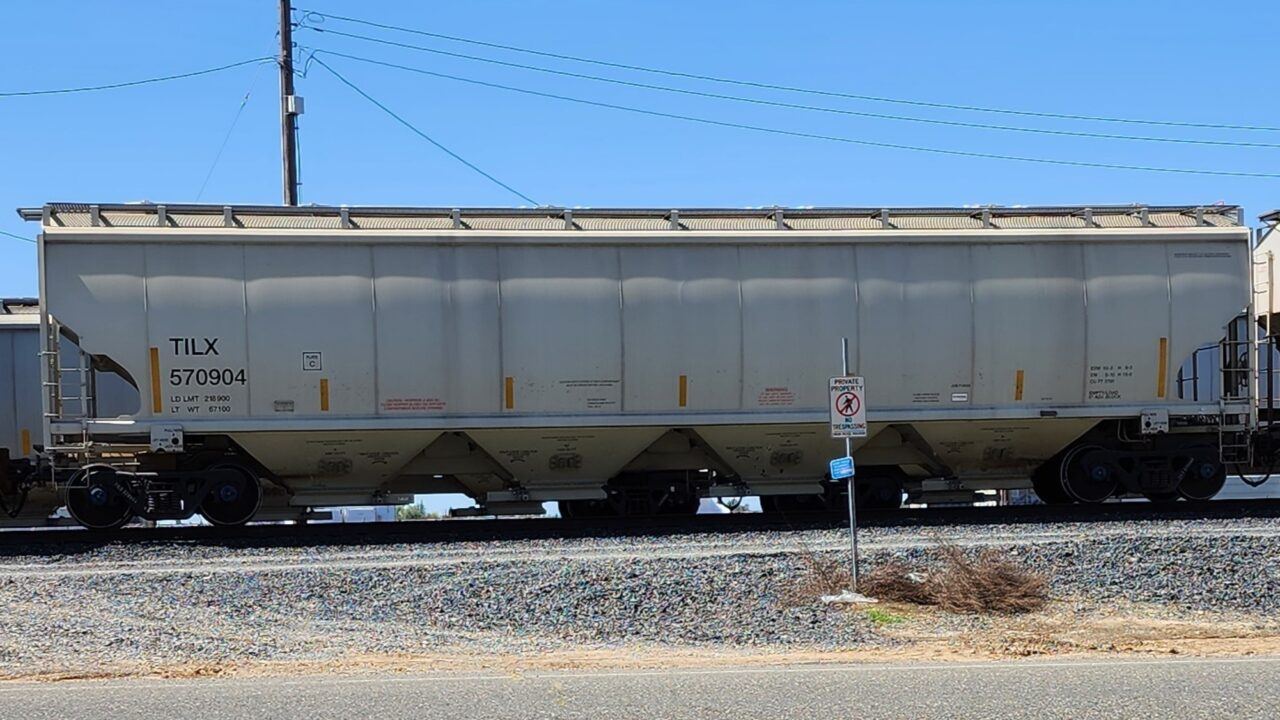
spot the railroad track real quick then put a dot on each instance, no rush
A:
(47, 541)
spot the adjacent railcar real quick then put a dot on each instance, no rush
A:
(633, 361)
(21, 423)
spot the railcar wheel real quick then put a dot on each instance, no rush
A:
(234, 498)
(94, 498)
(1047, 483)
(878, 492)
(1203, 479)
(1088, 475)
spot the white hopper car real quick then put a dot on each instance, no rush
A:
(634, 361)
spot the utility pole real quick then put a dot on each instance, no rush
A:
(290, 107)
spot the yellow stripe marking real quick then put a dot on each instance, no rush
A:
(1162, 370)
(510, 393)
(684, 390)
(157, 402)
(26, 442)
(324, 395)
(1017, 386)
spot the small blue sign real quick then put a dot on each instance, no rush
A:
(842, 468)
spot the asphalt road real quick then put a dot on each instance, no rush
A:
(1236, 688)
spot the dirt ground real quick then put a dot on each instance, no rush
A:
(1063, 630)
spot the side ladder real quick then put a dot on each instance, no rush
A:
(1237, 408)
(69, 391)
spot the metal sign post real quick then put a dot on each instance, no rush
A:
(848, 420)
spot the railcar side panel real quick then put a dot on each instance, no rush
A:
(1029, 324)
(437, 329)
(1204, 281)
(797, 302)
(311, 330)
(99, 292)
(561, 330)
(689, 298)
(196, 324)
(916, 325)
(1127, 315)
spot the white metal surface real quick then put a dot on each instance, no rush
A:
(553, 323)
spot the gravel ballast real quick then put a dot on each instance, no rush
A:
(201, 603)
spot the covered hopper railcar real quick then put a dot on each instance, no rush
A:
(633, 361)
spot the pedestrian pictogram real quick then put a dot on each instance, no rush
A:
(848, 404)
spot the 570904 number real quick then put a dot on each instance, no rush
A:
(206, 376)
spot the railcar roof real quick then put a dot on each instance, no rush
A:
(21, 313)
(19, 306)
(141, 215)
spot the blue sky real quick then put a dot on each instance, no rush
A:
(1164, 60)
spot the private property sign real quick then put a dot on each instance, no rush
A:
(848, 407)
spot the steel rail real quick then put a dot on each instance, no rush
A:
(69, 540)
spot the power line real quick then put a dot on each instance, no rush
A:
(800, 134)
(133, 83)
(796, 106)
(227, 137)
(420, 133)
(787, 88)
(17, 237)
